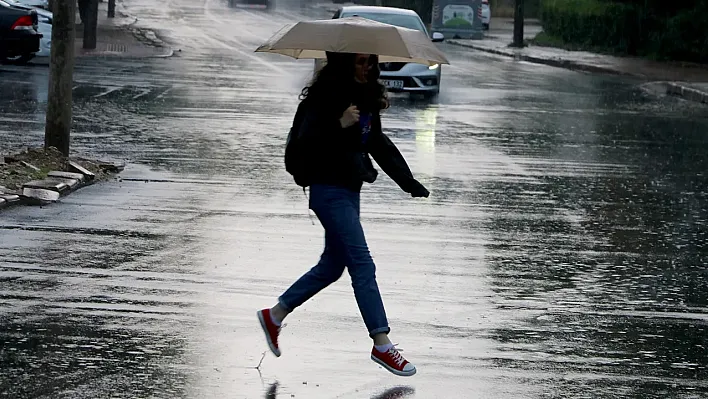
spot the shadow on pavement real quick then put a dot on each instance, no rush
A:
(272, 391)
(395, 393)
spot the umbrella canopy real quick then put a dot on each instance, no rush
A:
(311, 39)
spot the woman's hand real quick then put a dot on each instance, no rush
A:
(350, 117)
(418, 190)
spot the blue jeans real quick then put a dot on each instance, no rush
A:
(345, 246)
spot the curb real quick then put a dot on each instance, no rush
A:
(170, 52)
(150, 39)
(554, 62)
(688, 93)
(143, 34)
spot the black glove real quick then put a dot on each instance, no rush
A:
(417, 190)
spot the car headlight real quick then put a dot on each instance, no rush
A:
(434, 67)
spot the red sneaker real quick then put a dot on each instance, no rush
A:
(270, 329)
(392, 361)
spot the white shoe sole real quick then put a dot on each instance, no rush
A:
(394, 371)
(273, 349)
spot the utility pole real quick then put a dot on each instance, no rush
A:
(90, 25)
(61, 74)
(518, 24)
(111, 8)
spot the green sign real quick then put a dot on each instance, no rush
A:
(458, 18)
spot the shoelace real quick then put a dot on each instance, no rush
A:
(396, 356)
(280, 327)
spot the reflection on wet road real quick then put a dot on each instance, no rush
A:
(562, 253)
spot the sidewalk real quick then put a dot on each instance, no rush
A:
(683, 79)
(117, 37)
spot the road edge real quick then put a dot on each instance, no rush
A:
(673, 88)
(554, 62)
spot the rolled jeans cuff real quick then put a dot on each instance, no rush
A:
(284, 305)
(379, 331)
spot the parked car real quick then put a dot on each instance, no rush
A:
(44, 26)
(485, 14)
(19, 38)
(43, 4)
(399, 76)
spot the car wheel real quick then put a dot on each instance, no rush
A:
(19, 60)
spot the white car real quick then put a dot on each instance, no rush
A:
(45, 43)
(400, 76)
(44, 26)
(485, 14)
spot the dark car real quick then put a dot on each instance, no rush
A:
(19, 38)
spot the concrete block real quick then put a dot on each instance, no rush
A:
(10, 198)
(111, 167)
(40, 195)
(80, 169)
(72, 183)
(67, 175)
(47, 184)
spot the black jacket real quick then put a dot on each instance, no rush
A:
(336, 156)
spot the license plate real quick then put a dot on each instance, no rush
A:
(393, 84)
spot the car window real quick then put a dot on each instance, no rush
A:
(404, 21)
(336, 14)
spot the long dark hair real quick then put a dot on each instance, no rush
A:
(336, 80)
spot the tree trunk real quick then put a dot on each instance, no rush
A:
(83, 6)
(519, 24)
(90, 25)
(111, 8)
(58, 127)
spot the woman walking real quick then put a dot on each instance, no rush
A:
(339, 127)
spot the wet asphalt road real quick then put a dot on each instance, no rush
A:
(561, 254)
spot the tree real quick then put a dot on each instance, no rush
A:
(58, 127)
(111, 8)
(518, 24)
(90, 25)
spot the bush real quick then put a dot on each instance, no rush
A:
(630, 27)
(615, 26)
(505, 8)
(684, 37)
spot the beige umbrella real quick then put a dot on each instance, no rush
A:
(311, 39)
